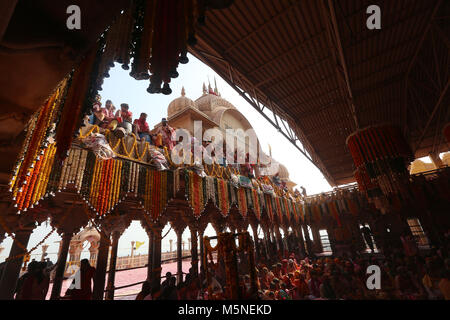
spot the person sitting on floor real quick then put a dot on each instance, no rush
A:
(142, 128)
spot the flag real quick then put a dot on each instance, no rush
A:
(139, 243)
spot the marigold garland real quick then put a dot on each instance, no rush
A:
(242, 202)
(278, 207)
(256, 203)
(195, 193)
(269, 206)
(222, 197)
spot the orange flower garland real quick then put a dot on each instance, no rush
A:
(222, 195)
(256, 204)
(278, 207)
(332, 208)
(269, 206)
(294, 211)
(287, 208)
(242, 202)
(195, 194)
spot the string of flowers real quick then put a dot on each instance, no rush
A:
(242, 202)
(222, 196)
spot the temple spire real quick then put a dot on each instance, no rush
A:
(183, 92)
(204, 89)
(216, 91)
(210, 90)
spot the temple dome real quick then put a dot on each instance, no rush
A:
(180, 104)
(210, 101)
(283, 172)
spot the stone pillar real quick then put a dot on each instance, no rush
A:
(150, 256)
(286, 240)
(194, 252)
(255, 240)
(93, 256)
(332, 238)
(112, 266)
(100, 272)
(273, 242)
(267, 243)
(298, 239)
(75, 249)
(317, 243)
(132, 255)
(230, 260)
(309, 245)
(61, 266)
(179, 257)
(12, 267)
(202, 252)
(279, 240)
(156, 263)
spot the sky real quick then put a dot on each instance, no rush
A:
(122, 88)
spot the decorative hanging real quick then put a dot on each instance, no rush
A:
(222, 197)
(242, 201)
(195, 192)
(269, 205)
(155, 34)
(83, 86)
(256, 203)
(334, 212)
(380, 155)
(39, 130)
(301, 209)
(365, 184)
(157, 191)
(211, 189)
(295, 211)
(278, 208)
(352, 206)
(317, 217)
(287, 208)
(101, 183)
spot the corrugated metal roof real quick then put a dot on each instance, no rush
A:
(283, 50)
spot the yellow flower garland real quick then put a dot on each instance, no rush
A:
(90, 131)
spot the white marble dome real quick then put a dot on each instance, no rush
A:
(283, 172)
(180, 104)
(209, 101)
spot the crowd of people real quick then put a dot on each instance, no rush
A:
(121, 122)
(403, 277)
(288, 276)
(34, 284)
